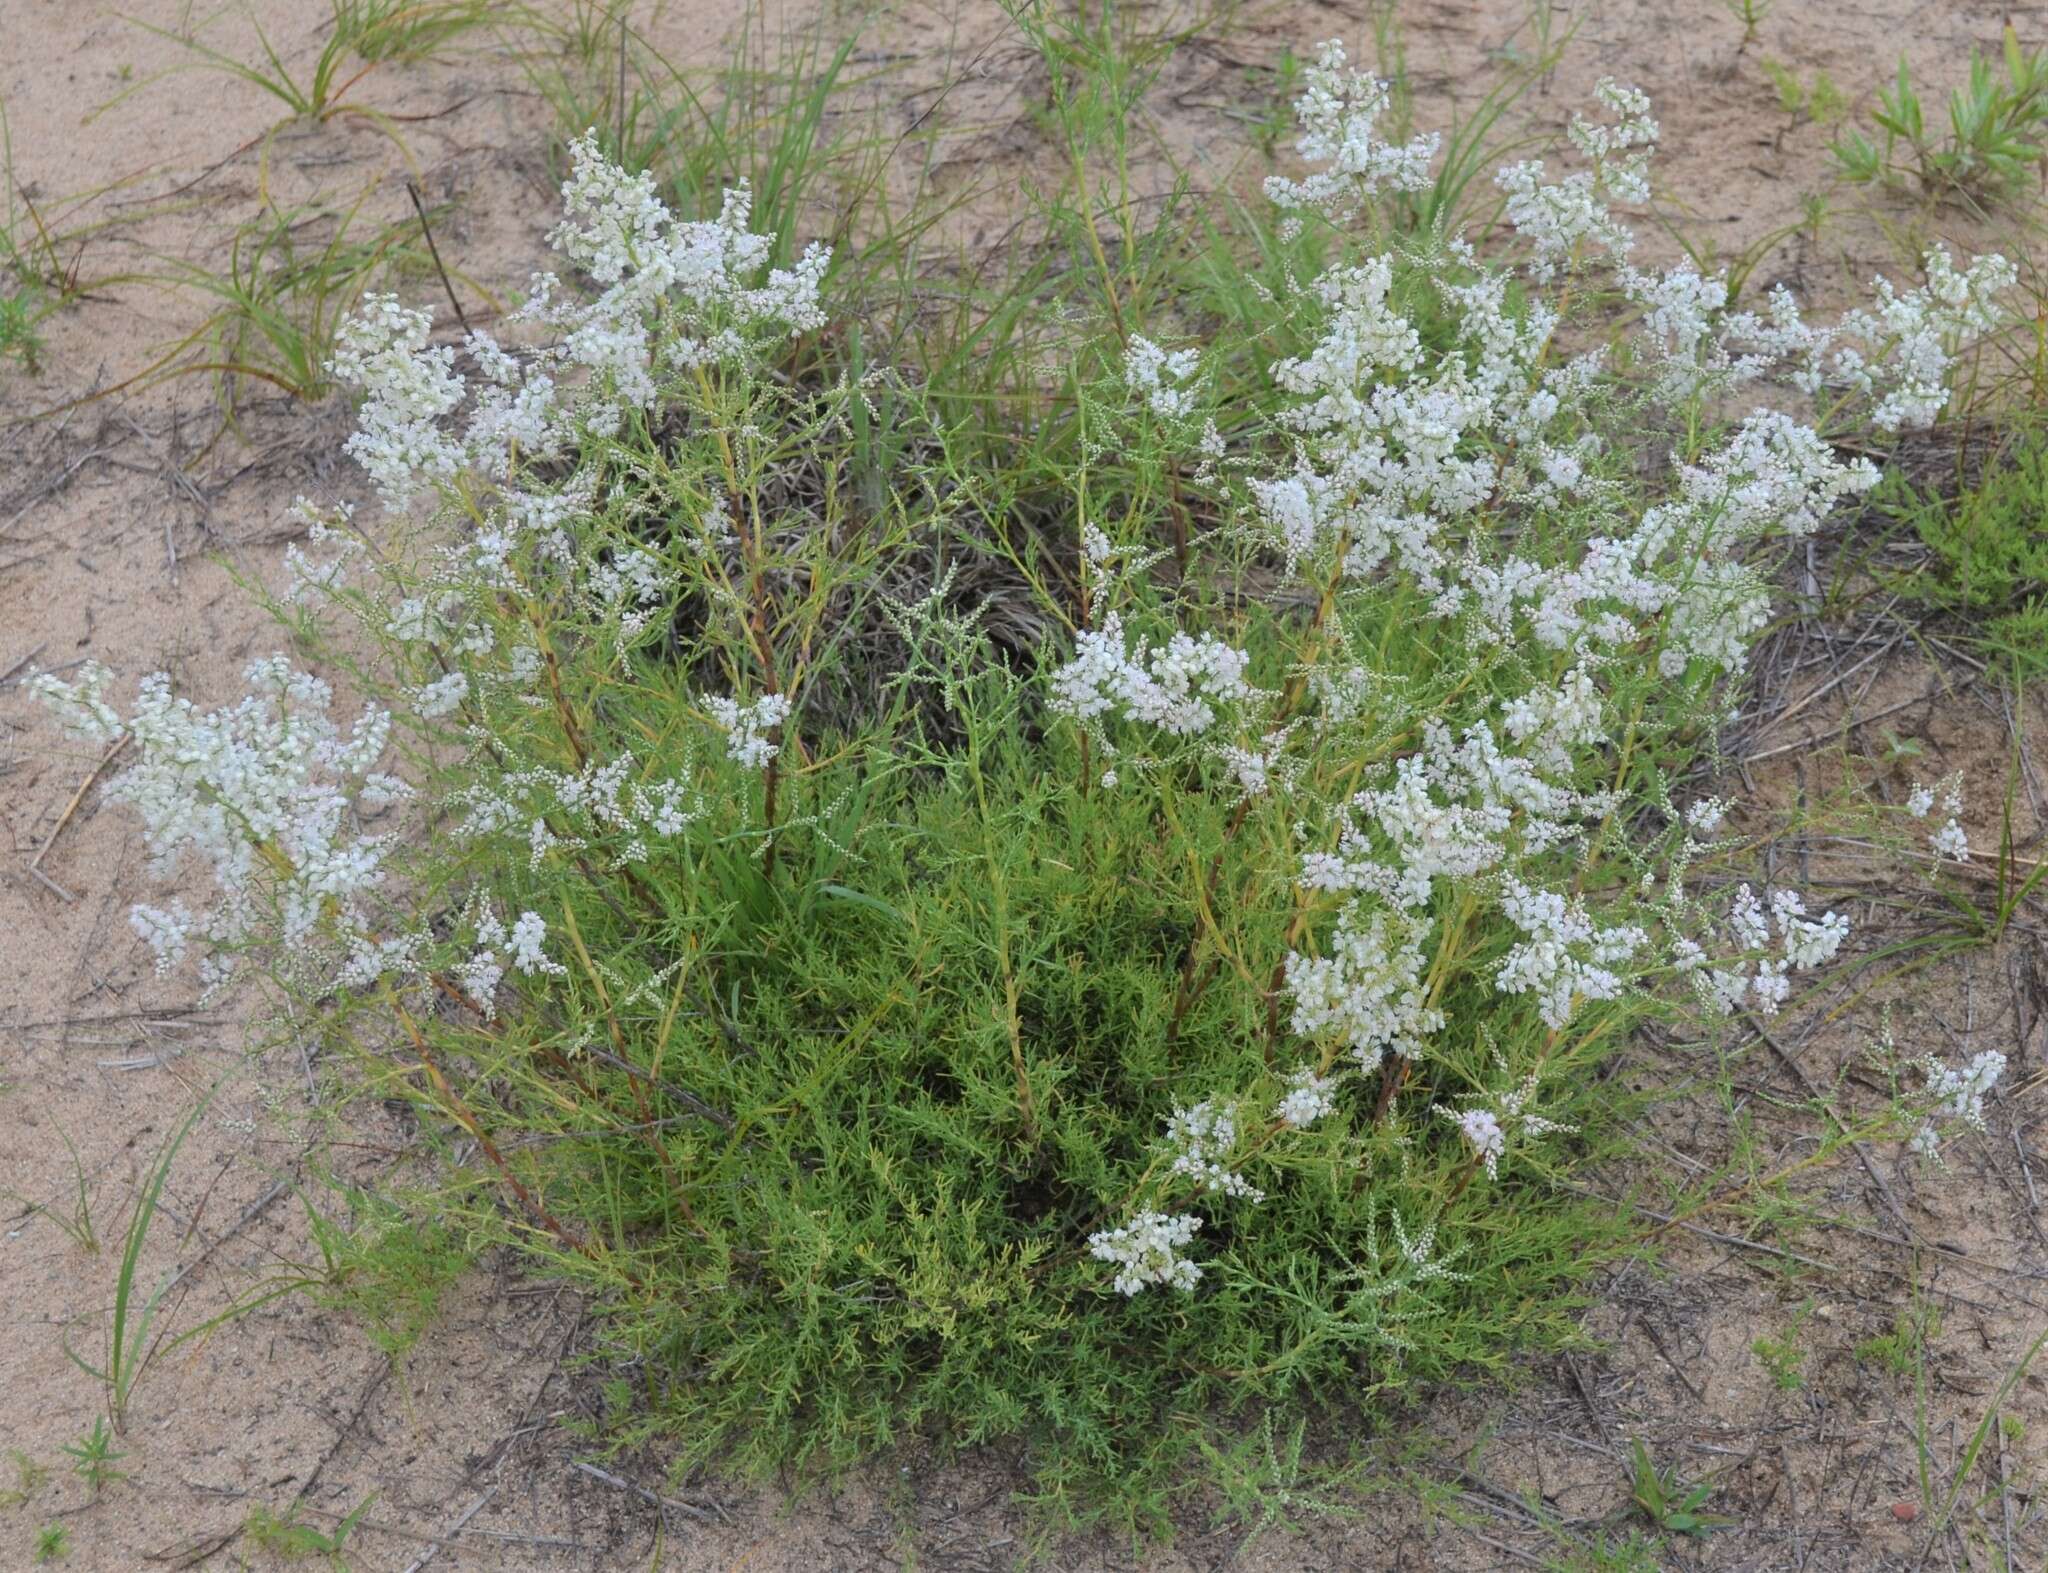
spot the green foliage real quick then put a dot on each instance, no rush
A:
(1989, 551)
(1992, 149)
(823, 1100)
(1635, 1553)
(29, 1478)
(133, 1338)
(1666, 1501)
(94, 1455)
(390, 1270)
(279, 301)
(1818, 102)
(76, 1220)
(407, 31)
(1266, 1484)
(53, 1542)
(1782, 1356)
(1751, 14)
(282, 1535)
(20, 340)
(316, 96)
(1901, 1350)
(830, 1100)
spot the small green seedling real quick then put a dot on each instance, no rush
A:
(1782, 1357)
(94, 1457)
(1751, 14)
(1667, 1502)
(283, 1534)
(52, 1542)
(28, 1480)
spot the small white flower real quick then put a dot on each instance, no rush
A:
(480, 977)
(528, 935)
(441, 697)
(1959, 1093)
(747, 727)
(167, 931)
(1706, 815)
(1146, 1251)
(1159, 379)
(1483, 1134)
(1308, 1098)
(1200, 1139)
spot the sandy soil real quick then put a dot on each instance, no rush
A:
(123, 528)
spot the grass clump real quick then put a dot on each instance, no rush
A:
(1172, 997)
(1987, 550)
(389, 1269)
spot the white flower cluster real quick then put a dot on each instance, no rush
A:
(1474, 473)
(1560, 220)
(1200, 1140)
(1160, 379)
(260, 792)
(1339, 111)
(747, 727)
(560, 811)
(630, 589)
(1916, 334)
(1147, 1251)
(1565, 958)
(674, 296)
(1956, 1093)
(522, 947)
(1949, 842)
(1367, 993)
(1175, 687)
(1491, 1124)
(1899, 355)
(1763, 979)
(408, 386)
(1308, 1098)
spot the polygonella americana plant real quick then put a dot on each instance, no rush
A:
(1041, 1044)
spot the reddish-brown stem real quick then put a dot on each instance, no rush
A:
(1393, 1074)
(1464, 1180)
(460, 1113)
(1190, 987)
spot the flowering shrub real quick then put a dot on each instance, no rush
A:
(1058, 1043)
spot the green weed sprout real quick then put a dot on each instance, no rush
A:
(1993, 147)
(1666, 1501)
(93, 1457)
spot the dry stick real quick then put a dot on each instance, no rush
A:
(50, 884)
(1847, 724)
(250, 1214)
(13, 671)
(412, 189)
(702, 1515)
(452, 1531)
(35, 863)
